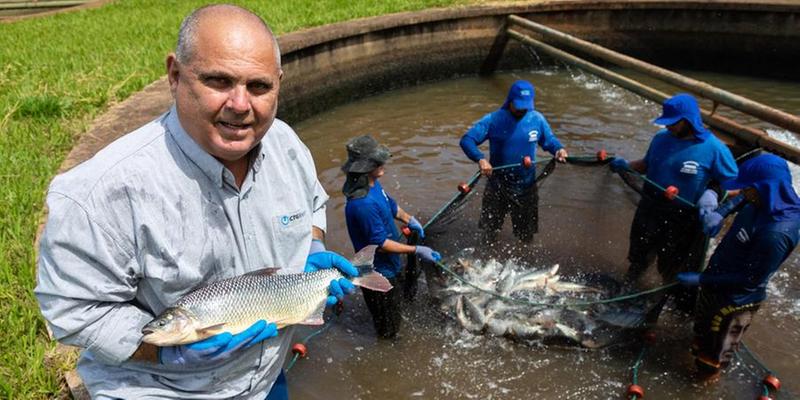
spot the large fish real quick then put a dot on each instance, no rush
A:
(234, 304)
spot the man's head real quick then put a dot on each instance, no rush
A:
(681, 115)
(224, 77)
(520, 98)
(761, 177)
(365, 155)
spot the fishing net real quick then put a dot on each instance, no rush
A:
(555, 286)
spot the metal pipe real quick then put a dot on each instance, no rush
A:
(750, 135)
(756, 109)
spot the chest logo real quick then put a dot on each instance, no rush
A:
(533, 135)
(690, 167)
(288, 219)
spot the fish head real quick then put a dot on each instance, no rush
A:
(174, 326)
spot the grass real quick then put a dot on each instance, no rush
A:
(57, 74)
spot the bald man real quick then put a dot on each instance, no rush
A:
(214, 188)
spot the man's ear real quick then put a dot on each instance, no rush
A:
(173, 72)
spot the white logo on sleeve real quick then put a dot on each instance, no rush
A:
(533, 135)
(690, 167)
(742, 235)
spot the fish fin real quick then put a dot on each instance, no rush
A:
(373, 281)
(553, 270)
(364, 257)
(264, 271)
(316, 317)
(211, 330)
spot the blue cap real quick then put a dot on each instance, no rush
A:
(521, 95)
(765, 167)
(682, 106)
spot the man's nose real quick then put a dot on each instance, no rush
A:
(239, 99)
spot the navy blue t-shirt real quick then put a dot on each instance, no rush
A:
(748, 256)
(510, 140)
(370, 220)
(688, 164)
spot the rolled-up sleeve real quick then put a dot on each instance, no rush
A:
(86, 281)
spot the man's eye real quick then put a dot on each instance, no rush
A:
(259, 87)
(217, 82)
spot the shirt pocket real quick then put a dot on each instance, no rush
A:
(291, 231)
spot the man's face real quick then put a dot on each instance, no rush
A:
(377, 172)
(516, 112)
(680, 129)
(227, 93)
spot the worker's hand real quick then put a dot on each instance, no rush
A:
(486, 168)
(414, 225)
(561, 155)
(619, 164)
(708, 201)
(426, 253)
(217, 347)
(328, 259)
(711, 221)
(689, 278)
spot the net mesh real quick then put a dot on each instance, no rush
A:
(584, 217)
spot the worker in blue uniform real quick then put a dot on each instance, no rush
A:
(370, 215)
(513, 132)
(763, 235)
(689, 157)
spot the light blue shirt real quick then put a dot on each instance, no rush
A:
(153, 216)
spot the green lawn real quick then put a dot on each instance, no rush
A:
(58, 73)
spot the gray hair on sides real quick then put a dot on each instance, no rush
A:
(187, 33)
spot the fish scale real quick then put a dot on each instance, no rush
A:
(284, 299)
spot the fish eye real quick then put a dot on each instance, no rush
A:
(162, 322)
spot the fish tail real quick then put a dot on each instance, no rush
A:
(373, 281)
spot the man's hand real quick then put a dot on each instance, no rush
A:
(217, 347)
(414, 225)
(708, 201)
(561, 155)
(426, 253)
(486, 168)
(328, 259)
(689, 278)
(712, 222)
(619, 164)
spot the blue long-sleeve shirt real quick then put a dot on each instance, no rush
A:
(689, 164)
(510, 140)
(370, 220)
(748, 256)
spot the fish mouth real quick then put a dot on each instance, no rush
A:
(147, 331)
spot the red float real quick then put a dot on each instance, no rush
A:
(671, 192)
(526, 162)
(635, 390)
(772, 382)
(406, 231)
(602, 155)
(464, 188)
(299, 349)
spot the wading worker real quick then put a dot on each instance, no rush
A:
(763, 235)
(215, 188)
(513, 132)
(370, 214)
(688, 156)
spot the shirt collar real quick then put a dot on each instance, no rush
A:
(210, 166)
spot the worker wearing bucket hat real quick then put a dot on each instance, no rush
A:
(762, 236)
(513, 132)
(370, 214)
(689, 157)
